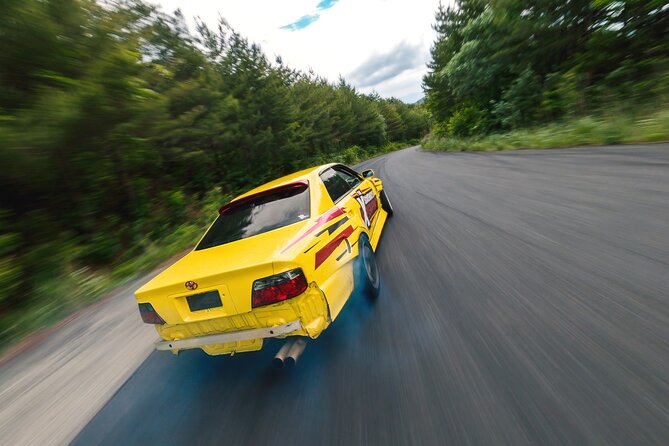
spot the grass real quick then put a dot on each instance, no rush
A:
(587, 130)
(57, 298)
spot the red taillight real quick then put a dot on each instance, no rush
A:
(149, 315)
(278, 288)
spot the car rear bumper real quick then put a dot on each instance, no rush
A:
(304, 315)
(235, 336)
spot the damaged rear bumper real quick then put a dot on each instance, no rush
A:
(305, 315)
(235, 336)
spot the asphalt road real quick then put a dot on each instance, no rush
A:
(524, 301)
(60, 378)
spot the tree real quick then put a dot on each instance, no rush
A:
(509, 63)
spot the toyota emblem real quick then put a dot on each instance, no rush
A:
(191, 285)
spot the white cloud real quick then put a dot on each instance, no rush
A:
(379, 68)
(347, 38)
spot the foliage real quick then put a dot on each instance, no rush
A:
(519, 103)
(467, 120)
(610, 129)
(513, 64)
(117, 122)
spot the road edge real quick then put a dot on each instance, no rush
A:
(31, 340)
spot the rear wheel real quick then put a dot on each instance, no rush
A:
(367, 277)
(385, 203)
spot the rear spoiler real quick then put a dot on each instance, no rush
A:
(301, 185)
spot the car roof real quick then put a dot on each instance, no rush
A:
(306, 174)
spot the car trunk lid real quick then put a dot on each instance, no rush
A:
(228, 270)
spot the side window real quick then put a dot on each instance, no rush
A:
(338, 182)
(350, 179)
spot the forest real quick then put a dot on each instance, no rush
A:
(503, 65)
(121, 130)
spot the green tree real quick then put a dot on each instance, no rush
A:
(511, 63)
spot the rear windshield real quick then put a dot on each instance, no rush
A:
(259, 215)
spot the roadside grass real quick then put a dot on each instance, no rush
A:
(589, 130)
(57, 298)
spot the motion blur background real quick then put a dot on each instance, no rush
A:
(123, 127)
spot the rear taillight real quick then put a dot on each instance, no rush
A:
(149, 315)
(278, 288)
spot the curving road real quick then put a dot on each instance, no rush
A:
(525, 301)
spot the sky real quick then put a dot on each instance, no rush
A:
(378, 46)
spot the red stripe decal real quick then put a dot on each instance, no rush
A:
(327, 250)
(328, 216)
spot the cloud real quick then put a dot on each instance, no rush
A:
(379, 68)
(338, 43)
(302, 22)
(405, 86)
(326, 4)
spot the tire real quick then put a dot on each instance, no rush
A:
(367, 277)
(385, 203)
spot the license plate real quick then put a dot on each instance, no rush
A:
(204, 301)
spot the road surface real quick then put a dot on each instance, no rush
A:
(524, 301)
(53, 389)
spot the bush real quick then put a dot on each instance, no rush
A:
(468, 120)
(10, 270)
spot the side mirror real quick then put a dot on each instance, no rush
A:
(367, 173)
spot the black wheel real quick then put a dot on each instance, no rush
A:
(367, 277)
(385, 203)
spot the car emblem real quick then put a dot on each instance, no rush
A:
(191, 285)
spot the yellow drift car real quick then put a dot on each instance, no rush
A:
(280, 260)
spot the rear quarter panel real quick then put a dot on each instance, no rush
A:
(328, 257)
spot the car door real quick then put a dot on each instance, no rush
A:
(362, 200)
(334, 253)
(355, 195)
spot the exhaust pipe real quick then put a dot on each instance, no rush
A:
(280, 357)
(295, 352)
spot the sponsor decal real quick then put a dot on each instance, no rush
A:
(333, 227)
(327, 250)
(321, 221)
(368, 205)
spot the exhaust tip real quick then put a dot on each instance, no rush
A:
(295, 352)
(280, 357)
